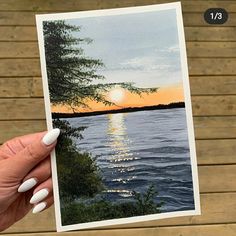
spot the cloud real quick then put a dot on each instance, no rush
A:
(170, 49)
(146, 63)
(174, 48)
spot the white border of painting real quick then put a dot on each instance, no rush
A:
(119, 11)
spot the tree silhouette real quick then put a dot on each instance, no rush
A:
(72, 76)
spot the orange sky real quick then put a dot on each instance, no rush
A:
(163, 95)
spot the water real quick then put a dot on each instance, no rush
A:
(137, 149)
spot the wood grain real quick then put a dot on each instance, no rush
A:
(73, 5)
(212, 66)
(214, 105)
(216, 151)
(21, 87)
(211, 49)
(213, 85)
(199, 230)
(220, 127)
(18, 33)
(11, 129)
(17, 109)
(19, 50)
(20, 67)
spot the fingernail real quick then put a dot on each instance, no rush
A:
(51, 136)
(39, 196)
(39, 207)
(26, 185)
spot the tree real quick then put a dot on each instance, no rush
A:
(71, 74)
(78, 174)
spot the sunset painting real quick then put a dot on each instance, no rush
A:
(117, 87)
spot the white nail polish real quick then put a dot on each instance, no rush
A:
(39, 196)
(51, 136)
(39, 207)
(27, 185)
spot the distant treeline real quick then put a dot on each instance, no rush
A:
(122, 110)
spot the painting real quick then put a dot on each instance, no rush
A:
(116, 84)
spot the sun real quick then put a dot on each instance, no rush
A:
(116, 95)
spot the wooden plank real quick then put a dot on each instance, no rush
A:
(17, 33)
(199, 230)
(213, 85)
(23, 33)
(28, 19)
(202, 6)
(19, 50)
(222, 127)
(73, 5)
(11, 129)
(16, 87)
(212, 66)
(210, 34)
(217, 178)
(37, 87)
(214, 208)
(197, 66)
(214, 105)
(21, 87)
(14, 109)
(211, 49)
(17, 18)
(216, 151)
(20, 67)
(194, 49)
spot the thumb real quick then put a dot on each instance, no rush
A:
(32, 154)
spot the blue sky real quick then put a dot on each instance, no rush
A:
(140, 47)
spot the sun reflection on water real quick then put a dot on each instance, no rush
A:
(118, 138)
(119, 142)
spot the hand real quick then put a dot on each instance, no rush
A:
(25, 176)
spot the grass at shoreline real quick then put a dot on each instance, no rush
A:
(81, 212)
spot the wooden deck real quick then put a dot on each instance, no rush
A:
(211, 54)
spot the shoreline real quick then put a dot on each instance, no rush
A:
(56, 115)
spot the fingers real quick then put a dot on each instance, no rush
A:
(31, 155)
(37, 175)
(43, 205)
(41, 172)
(42, 191)
(43, 196)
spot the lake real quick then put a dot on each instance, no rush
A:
(138, 149)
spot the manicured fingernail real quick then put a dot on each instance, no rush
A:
(27, 185)
(39, 207)
(39, 196)
(51, 136)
